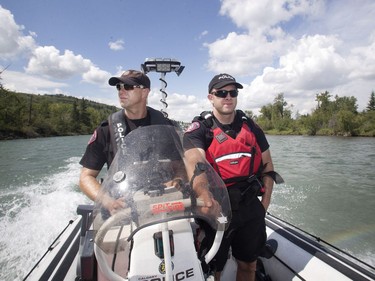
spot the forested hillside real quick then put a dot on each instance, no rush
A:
(28, 116)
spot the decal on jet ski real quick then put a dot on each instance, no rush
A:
(167, 207)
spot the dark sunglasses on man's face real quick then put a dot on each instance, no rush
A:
(121, 86)
(224, 93)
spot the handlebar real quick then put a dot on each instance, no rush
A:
(156, 208)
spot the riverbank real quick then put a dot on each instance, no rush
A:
(13, 135)
(30, 134)
(326, 133)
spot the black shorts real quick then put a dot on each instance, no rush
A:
(246, 235)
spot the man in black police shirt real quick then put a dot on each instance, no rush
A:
(238, 150)
(133, 88)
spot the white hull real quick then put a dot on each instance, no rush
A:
(300, 256)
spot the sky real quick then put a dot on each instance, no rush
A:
(297, 47)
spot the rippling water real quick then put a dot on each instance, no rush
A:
(328, 191)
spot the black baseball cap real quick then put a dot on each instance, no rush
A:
(222, 80)
(131, 77)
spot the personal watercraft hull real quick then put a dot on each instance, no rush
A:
(301, 256)
(292, 255)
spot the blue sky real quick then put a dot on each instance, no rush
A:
(299, 48)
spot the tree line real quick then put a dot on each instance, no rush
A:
(334, 116)
(28, 116)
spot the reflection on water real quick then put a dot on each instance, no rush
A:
(329, 189)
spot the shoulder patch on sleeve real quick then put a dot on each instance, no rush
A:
(193, 126)
(93, 137)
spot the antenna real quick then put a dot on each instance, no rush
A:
(163, 66)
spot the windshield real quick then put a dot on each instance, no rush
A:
(149, 174)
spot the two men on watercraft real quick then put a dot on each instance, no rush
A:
(231, 142)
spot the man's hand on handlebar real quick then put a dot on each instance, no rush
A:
(113, 205)
(208, 204)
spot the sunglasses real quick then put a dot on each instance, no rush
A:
(120, 86)
(224, 93)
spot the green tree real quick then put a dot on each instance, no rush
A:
(42, 118)
(279, 105)
(367, 121)
(60, 120)
(250, 114)
(84, 116)
(13, 110)
(345, 103)
(371, 103)
(346, 123)
(75, 117)
(343, 118)
(276, 116)
(323, 101)
(324, 108)
(45, 110)
(265, 118)
(266, 111)
(96, 117)
(281, 115)
(310, 124)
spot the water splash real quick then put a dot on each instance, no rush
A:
(35, 216)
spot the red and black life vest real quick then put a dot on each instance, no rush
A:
(235, 159)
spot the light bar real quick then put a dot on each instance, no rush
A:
(162, 65)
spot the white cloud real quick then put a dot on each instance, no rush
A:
(299, 48)
(45, 62)
(116, 45)
(362, 60)
(243, 54)
(180, 107)
(23, 82)
(49, 62)
(13, 43)
(351, 20)
(203, 34)
(312, 64)
(262, 16)
(95, 75)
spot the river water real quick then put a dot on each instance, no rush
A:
(329, 191)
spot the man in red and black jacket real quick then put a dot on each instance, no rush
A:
(239, 152)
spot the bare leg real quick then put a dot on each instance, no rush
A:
(246, 270)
